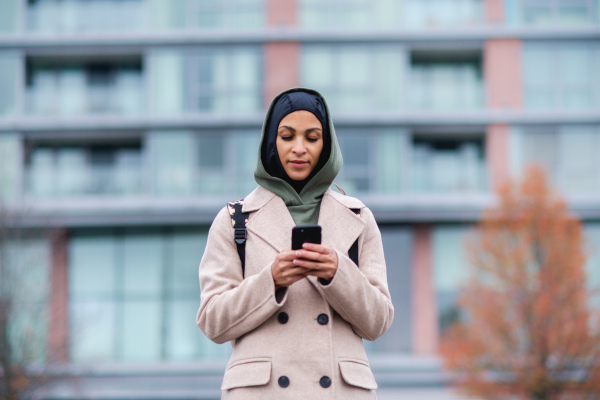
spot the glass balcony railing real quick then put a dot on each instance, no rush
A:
(81, 172)
(446, 86)
(83, 89)
(75, 16)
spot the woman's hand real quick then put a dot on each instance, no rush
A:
(284, 271)
(319, 260)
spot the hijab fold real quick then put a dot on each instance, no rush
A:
(302, 198)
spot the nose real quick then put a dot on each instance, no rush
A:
(299, 146)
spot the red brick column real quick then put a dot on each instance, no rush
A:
(281, 12)
(282, 62)
(497, 153)
(494, 11)
(425, 330)
(503, 80)
(282, 59)
(502, 73)
(58, 323)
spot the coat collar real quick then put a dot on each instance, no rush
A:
(273, 223)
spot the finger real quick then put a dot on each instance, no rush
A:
(288, 255)
(313, 255)
(319, 248)
(313, 265)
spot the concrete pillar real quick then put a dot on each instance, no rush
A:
(425, 329)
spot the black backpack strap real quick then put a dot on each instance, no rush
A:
(238, 220)
(353, 252)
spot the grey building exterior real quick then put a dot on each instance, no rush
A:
(125, 125)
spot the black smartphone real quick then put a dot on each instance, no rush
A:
(305, 234)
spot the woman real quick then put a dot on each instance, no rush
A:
(296, 319)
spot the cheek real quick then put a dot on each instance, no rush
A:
(279, 146)
(317, 149)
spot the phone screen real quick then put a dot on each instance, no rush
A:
(305, 234)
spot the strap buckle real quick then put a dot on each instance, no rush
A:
(239, 235)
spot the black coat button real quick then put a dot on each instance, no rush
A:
(323, 319)
(283, 317)
(283, 381)
(325, 382)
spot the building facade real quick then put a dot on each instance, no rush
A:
(125, 125)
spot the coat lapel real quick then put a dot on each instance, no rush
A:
(341, 227)
(272, 221)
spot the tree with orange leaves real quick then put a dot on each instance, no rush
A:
(527, 329)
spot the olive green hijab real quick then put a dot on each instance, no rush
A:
(304, 204)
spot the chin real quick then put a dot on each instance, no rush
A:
(298, 177)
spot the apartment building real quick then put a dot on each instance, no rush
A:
(125, 125)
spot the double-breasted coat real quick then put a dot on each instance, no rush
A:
(306, 344)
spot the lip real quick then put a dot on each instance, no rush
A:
(298, 163)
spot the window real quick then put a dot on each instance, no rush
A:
(373, 160)
(355, 78)
(443, 81)
(167, 81)
(561, 75)
(9, 17)
(552, 12)
(397, 244)
(399, 14)
(450, 270)
(10, 165)
(125, 281)
(203, 163)
(73, 88)
(337, 13)
(9, 67)
(592, 247)
(207, 80)
(84, 170)
(568, 153)
(210, 164)
(437, 13)
(69, 16)
(448, 165)
(224, 80)
(229, 14)
(357, 173)
(25, 286)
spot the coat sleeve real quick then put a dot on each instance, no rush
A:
(361, 295)
(230, 305)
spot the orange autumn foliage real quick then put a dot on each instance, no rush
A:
(527, 330)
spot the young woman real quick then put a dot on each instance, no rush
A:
(296, 318)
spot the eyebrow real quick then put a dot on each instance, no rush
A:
(293, 130)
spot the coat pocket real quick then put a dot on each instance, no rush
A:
(248, 372)
(357, 373)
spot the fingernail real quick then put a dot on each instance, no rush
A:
(297, 254)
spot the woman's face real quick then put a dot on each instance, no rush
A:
(299, 143)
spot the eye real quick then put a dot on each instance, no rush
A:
(287, 138)
(313, 139)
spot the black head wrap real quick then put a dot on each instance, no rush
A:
(285, 105)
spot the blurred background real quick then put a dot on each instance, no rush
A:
(125, 125)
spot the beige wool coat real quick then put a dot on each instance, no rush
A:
(309, 344)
